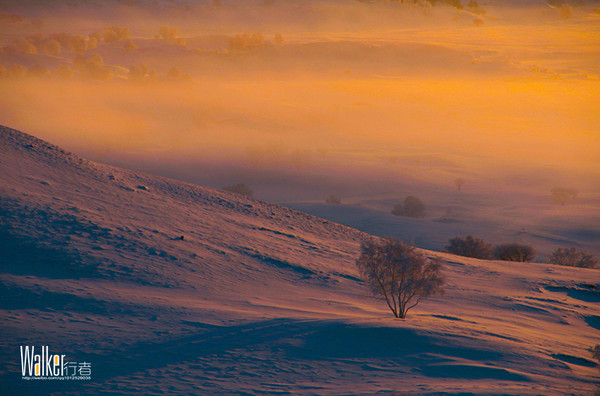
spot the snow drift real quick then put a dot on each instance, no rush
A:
(172, 288)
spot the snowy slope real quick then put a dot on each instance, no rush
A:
(256, 298)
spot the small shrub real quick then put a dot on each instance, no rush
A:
(514, 252)
(572, 257)
(411, 207)
(239, 188)
(399, 274)
(469, 246)
(332, 199)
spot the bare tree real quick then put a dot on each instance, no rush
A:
(399, 274)
(459, 182)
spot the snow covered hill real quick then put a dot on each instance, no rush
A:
(171, 288)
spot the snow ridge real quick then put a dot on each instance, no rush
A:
(172, 288)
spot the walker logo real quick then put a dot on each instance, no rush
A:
(39, 364)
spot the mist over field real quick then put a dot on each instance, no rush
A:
(369, 101)
(339, 93)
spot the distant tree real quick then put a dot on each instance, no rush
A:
(239, 188)
(459, 182)
(563, 195)
(572, 257)
(141, 73)
(332, 199)
(399, 274)
(92, 42)
(167, 32)
(77, 43)
(52, 47)
(411, 207)
(92, 67)
(116, 33)
(469, 246)
(245, 42)
(94, 39)
(96, 35)
(514, 252)
(175, 73)
(454, 3)
(26, 46)
(63, 38)
(129, 45)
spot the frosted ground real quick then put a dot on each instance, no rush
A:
(256, 298)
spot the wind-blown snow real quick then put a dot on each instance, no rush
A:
(255, 298)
